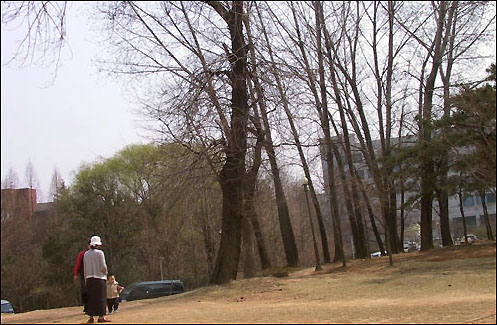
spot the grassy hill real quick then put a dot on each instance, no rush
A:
(444, 285)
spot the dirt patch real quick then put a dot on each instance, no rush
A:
(444, 285)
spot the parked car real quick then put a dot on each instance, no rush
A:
(410, 246)
(378, 254)
(471, 238)
(7, 307)
(151, 289)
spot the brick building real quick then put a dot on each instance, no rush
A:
(21, 203)
(18, 203)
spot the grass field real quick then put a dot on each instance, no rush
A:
(454, 285)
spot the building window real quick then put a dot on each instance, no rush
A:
(468, 200)
(489, 198)
(357, 157)
(471, 221)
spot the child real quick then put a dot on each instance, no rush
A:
(113, 291)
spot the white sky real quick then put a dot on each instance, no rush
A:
(78, 118)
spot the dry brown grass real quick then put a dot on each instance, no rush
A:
(445, 285)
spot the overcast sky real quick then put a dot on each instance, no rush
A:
(62, 123)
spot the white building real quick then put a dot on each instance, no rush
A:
(472, 204)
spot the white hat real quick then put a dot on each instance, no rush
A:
(95, 240)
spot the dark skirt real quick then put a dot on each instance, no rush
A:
(97, 296)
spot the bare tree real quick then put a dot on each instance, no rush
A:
(355, 214)
(45, 35)
(56, 185)
(488, 226)
(466, 29)
(310, 81)
(461, 209)
(11, 180)
(251, 178)
(32, 179)
(283, 213)
(443, 13)
(207, 98)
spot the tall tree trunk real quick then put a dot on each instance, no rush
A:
(371, 218)
(194, 255)
(384, 85)
(251, 179)
(249, 210)
(285, 223)
(232, 175)
(461, 209)
(356, 213)
(428, 175)
(261, 246)
(207, 235)
(305, 167)
(347, 199)
(402, 210)
(401, 182)
(333, 63)
(443, 204)
(247, 249)
(286, 229)
(319, 22)
(325, 126)
(359, 239)
(488, 226)
(322, 230)
(395, 244)
(332, 195)
(443, 195)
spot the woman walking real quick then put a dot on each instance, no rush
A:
(96, 279)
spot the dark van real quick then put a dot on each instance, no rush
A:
(7, 307)
(151, 289)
